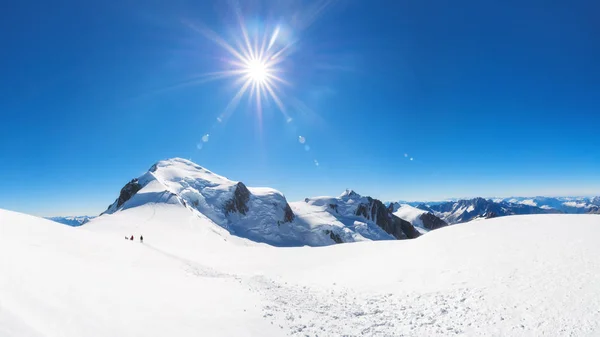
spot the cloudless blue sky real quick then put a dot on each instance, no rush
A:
(489, 98)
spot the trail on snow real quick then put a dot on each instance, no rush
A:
(301, 310)
(193, 267)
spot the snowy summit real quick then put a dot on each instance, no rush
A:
(260, 214)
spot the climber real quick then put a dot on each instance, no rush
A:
(141, 238)
(131, 238)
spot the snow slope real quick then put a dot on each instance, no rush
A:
(509, 276)
(412, 215)
(65, 281)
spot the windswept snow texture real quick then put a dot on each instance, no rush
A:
(73, 221)
(509, 276)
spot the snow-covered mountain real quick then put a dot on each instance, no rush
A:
(73, 221)
(467, 210)
(423, 220)
(261, 214)
(352, 217)
(571, 205)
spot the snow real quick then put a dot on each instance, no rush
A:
(508, 276)
(412, 215)
(528, 202)
(64, 281)
(576, 204)
(454, 214)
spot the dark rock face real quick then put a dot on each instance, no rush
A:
(594, 210)
(489, 215)
(431, 221)
(376, 211)
(407, 228)
(128, 191)
(335, 237)
(239, 201)
(288, 215)
(393, 207)
(334, 207)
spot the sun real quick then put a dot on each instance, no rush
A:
(256, 60)
(258, 71)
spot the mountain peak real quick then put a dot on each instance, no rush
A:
(349, 194)
(184, 167)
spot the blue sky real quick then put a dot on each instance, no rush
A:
(488, 98)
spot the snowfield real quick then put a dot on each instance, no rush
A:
(512, 276)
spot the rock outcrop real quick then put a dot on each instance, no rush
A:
(335, 237)
(239, 201)
(432, 222)
(376, 211)
(128, 191)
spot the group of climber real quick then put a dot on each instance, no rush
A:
(131, 238)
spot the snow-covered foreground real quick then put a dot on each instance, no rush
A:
(511, 276)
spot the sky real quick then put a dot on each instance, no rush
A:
(400, 100)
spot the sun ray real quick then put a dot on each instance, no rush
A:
(217, 39)
(233, 103)
(263, 46)
(275, 97)
(273, 38)
(278, 79)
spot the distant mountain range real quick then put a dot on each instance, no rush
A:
(73, 221)
(575, 205)
(458, 211)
